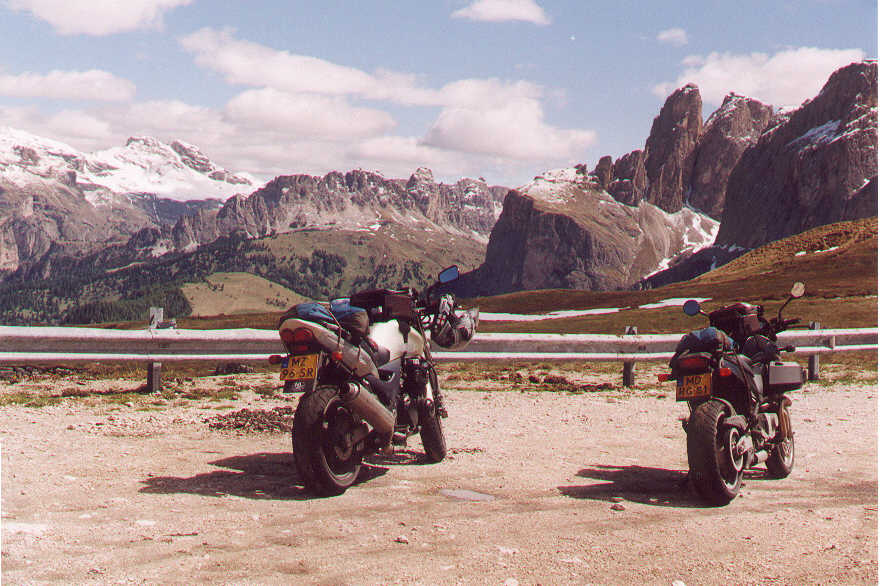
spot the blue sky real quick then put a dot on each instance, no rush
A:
(501, 89)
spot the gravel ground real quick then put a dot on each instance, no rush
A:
(579, 487)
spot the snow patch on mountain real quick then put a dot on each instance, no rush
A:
(144, 165)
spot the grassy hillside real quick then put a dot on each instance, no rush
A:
(120, 284)
(837, 262)
(237, 293)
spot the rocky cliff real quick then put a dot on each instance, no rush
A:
(560, 231)
(687, 162)
(765, 174)
(814, 166)
(353, 200)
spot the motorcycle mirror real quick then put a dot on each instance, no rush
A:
(691, 307)
(448, 274)
(797, 290)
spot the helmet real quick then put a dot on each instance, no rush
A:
(455, 328)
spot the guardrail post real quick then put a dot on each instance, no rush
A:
(813, 361)
(154, 369)
(629, 366)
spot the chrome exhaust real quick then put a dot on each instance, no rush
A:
(367, 406)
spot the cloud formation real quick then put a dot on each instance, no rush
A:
(503, 11)
(98, 17)
(93, 84)
(676, 37)
(786, 78)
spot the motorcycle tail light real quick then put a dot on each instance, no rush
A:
(693, 363)
(724, 371)
(664, 377)
(337, 356)
(298, 340)
(275, 359)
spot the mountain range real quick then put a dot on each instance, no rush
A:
(121, 226)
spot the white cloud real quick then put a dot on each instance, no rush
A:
(503, 10)
(673, 36)
(68, 85)
(247, 63)
(516, 130)
(78, 125)
(98, 17)
(307, 115)
(784, 79)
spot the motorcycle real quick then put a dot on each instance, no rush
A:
(365, 369)
(735, 384)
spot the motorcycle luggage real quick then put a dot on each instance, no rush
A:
(705, 340)
(384, 304)
(740, 320)
(785, 376)
(352, 318)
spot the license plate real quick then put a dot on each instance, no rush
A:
(302, 367)
(694, 386)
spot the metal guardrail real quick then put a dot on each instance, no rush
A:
(18, 343)
(157, 345)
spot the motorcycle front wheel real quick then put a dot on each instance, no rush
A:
(431, 430)
(325, 458)
(780, 462)
(716, 470)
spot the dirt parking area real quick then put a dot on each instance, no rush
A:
(583, 486)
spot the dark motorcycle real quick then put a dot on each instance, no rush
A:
(365, 369)
(734, 382)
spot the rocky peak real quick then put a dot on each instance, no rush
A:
(603, 172)
(816, 166)
(669, 148)
(629, 179)
(729, 131)
(192, 157)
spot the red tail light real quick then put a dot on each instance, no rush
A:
(275, 359)
(693, 363)
(297, 340)
(724, 371)
(664, 377)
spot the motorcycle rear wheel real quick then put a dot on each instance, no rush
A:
(715, 469)
(431, 431)
(780, 462)
(326, 462)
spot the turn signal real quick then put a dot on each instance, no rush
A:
(724, 371)
(337, 356)
(275, 359)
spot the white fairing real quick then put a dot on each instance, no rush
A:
(387, 334)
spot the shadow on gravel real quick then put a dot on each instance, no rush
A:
(400, 457)
(255, 476)
(650, 486)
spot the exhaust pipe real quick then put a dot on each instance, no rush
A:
(366, 405)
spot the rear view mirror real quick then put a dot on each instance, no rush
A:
(797, 290)
(448, 274)
(691, 307)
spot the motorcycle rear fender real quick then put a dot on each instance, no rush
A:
(353, 357)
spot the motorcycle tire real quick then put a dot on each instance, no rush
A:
(780, 462)
(714, 471)
(326, 465)
(431, 428)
